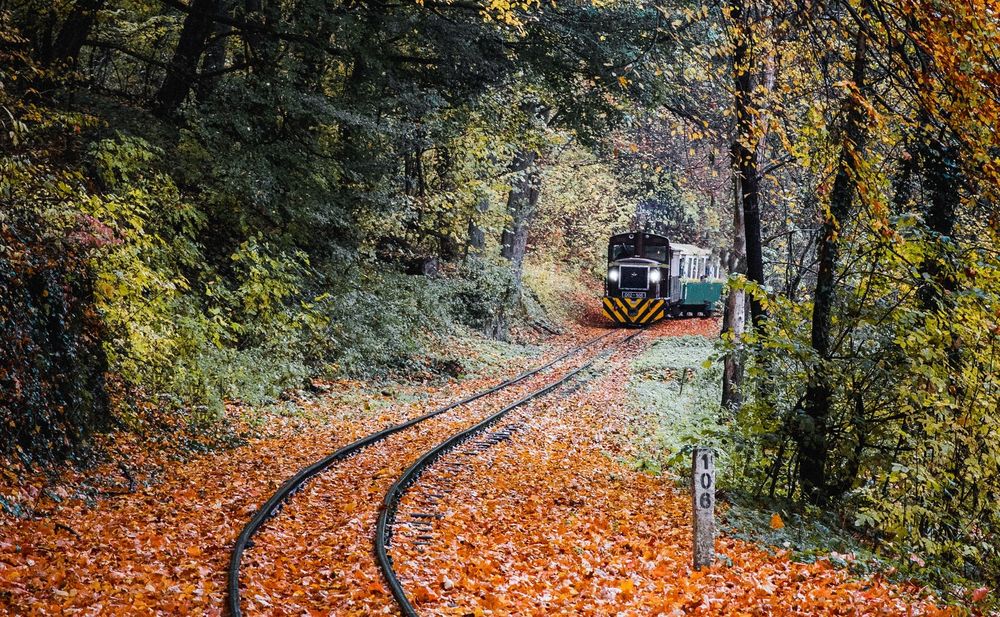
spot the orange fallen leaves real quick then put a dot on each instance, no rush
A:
(329, 524)
(164, 548)
(689, 326)
(550, 523)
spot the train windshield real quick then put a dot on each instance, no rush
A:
(656, 253)
(622, 251)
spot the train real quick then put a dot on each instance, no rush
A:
(650, 278)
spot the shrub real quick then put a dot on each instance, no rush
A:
(51, 365)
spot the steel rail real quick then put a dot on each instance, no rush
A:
(383, 529)
(273, 505)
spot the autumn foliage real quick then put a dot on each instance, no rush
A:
(212, 212)
(548, 522)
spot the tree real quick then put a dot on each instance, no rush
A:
(522, 201)
(813, 449)
(734, 316)
(199, 24)
(748, 143)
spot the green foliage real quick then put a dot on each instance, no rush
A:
(914, 408)
(176, 325)
(270, 223)
(561, 290)
(583, 202)
(52, 369)
(247, 328)
(481, 294)
(370, 326)
(805, 536)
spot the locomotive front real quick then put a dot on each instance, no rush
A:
(637, 290)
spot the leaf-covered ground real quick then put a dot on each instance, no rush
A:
(551, 522)
(548, 522)
(89, 546)
(316, 556)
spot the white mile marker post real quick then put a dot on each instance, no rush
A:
(703, 496)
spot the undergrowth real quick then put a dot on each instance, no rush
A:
(558, 289)
(672, 419)
(676, 390)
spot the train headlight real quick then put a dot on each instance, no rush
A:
(654, 276)
(613, 274)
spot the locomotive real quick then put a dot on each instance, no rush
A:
(650, 278)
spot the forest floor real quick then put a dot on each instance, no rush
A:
(556, 520)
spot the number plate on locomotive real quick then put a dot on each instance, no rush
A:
(633, 294)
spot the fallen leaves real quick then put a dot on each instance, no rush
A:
(544, 523)
(164, 548)
(329, 523)
(549, 523)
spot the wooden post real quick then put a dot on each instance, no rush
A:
(703, 498)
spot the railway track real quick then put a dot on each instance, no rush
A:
(387, 517)
(274, 504)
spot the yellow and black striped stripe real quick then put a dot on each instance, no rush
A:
(634, 312)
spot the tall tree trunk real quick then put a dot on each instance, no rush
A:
(812, 433)
(449, 248)
(521, 203)
(734, 318)
(260, 48)
(746, 156)
(941, 178)
(191, 45)
(746, 151)
(73, 34)
(477, 235)
(215, 54)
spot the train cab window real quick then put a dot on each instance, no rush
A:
(656, 253)
(622, 251)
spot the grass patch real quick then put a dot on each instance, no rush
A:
(476, 355)
(676, 399)
(806, 536)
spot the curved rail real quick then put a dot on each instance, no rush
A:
(387, 516)
(273, 505)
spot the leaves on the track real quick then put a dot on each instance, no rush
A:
(316, 558)
(164, 548)
(550, 523)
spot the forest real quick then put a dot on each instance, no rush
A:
(208, 204)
